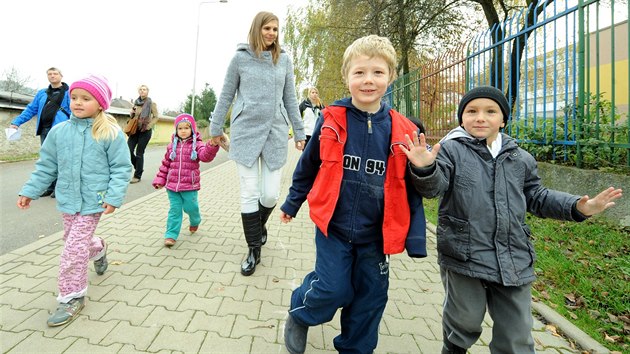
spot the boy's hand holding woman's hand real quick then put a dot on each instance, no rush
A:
(418, 153)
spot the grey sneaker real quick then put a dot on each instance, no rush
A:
(65, 313)
(100, 265)
(295, 336)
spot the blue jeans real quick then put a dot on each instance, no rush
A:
(354, 277)
(186, 201)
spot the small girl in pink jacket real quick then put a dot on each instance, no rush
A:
(180, 174)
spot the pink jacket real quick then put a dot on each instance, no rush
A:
(182, 173)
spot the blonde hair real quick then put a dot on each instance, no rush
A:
(145, 86)
(255, 37)
(105, 127)
(319, 99)
(370, 46)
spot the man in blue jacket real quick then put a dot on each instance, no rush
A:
(51, 106)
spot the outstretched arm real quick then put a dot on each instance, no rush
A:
(602, 201)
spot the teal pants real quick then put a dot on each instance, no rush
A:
(186, 201)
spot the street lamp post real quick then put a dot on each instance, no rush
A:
(192, 96)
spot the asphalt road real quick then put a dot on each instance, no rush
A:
(21, 227)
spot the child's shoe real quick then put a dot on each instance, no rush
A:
(169, 242)
(65, 313)
(193, 229)
(100, 265)
(295, 336)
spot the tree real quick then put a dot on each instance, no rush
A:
(14, 82)
(319, 33)
(534, 9)
(204, 105)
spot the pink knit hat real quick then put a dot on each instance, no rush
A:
(98, 87)
(185, 117)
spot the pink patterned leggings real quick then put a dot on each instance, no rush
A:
(80, 245)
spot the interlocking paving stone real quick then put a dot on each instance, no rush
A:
(185, 343)
(12, 317)
(137, 336)
(135, 315)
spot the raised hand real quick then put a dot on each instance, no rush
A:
(418, 153)
(602, 201)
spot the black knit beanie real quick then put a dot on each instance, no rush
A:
(489, 92)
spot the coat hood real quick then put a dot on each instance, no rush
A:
(185, 117)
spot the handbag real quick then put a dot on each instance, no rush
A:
(132, 126)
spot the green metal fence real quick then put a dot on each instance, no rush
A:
(565, 72)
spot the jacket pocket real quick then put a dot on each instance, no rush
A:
(330, 147)
(522, 251)
(97, 191)
(454, 237)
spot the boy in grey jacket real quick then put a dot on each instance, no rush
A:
(486, 184)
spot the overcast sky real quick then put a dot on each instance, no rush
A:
(131, 42)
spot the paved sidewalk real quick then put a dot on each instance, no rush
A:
(192, 298)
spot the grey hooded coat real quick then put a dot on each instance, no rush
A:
(265, 105)
(481, 229)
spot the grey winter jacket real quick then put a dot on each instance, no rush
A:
(265, 105)
(481, 229)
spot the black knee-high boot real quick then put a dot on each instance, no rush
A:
(264, 216)
(253, 235)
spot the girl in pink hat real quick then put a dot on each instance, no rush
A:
(179, 173)
(88, 157)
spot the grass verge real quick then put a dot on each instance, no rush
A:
(583, 272)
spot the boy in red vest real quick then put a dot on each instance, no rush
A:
(363, 200)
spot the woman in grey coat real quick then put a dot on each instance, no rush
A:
(260, 75)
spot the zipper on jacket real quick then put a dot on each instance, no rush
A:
(369, 123)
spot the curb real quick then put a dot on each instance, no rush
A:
(569, 329)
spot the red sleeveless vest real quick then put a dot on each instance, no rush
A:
(322, 198)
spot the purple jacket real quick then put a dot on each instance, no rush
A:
(182, 173)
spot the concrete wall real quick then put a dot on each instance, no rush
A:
(589, 182)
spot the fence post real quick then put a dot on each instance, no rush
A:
(581, 69)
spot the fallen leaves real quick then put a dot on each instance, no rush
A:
(553, 330)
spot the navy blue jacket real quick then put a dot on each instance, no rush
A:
(358, 215)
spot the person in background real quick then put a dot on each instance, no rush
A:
(418, 123)
(261, 77)
(89, 157)
(310, 109)
(179, 173)
(51, 106)
(363, 201)
(486, 185)
(146, 112)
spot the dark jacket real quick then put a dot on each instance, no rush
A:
(359, 203)
(481, 229)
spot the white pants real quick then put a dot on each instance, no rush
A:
(258, 183)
